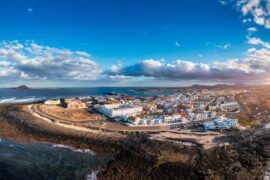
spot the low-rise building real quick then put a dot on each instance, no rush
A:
(220, 123)
(214, 107)
(172, 119)
(74, 103)
(116, 110)
(53, 102)
(229, 106)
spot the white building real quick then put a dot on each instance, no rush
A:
(52, 102)
(220, 123)
(155, 121)
(229, 106)
(213, 108)
(116, 110)
(172, 119)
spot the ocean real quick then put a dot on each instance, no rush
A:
(47, 161)
(8, 95)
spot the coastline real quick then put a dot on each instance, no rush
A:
(135, 155)
(39, 160)
(19, 125)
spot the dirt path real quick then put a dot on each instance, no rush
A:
(206, 141)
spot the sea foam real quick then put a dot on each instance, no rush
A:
(74, 149)
(91, 176)
(19, 100)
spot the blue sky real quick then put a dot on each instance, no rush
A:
(125, 33)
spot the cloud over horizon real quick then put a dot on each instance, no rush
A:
(30, 61)
(255, 66)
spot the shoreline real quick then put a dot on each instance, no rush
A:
(46, 158)
(135, 155)
(26, 128)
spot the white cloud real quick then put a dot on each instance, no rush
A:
(268, 6)
(258, 41)
(252, 29)
(118, 78)
(7, 72)
(249, 6)
(4, 64)
(83, 53)
(115, 68)
(254, 67)
(258, 10)
(259, 20)
(250, 50)
(224, 46)
(24, 75)
(267, 24)
(33, 61)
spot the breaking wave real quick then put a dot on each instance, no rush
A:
(74, 149)
(91, 176)
(19, 100)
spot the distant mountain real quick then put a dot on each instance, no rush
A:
(223, 85)
(199, 86)
(22, 87)
(219, 86)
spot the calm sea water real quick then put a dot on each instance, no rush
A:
(47, 161)
(15, 95)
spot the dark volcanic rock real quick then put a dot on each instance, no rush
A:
(245, 160)
(130, 163)
(176, 170)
